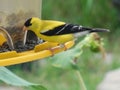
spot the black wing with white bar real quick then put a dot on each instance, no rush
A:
(70, 29)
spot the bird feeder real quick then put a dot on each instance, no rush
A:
(17, 46)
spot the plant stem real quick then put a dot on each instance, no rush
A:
(82, 84)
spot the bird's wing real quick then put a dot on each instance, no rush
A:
(70, 29)
(61, 30)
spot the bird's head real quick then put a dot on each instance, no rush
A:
(32, 24)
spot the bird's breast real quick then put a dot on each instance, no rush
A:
(57, 38)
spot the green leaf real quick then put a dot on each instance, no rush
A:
(66, 59)
(10, 78)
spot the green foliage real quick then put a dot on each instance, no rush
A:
(91, 13)
(70, 58)
(11, 79)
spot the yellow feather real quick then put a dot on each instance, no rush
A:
(50, 25)
(39, 26)
(58, 38)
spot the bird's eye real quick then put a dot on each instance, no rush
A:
(28, 22)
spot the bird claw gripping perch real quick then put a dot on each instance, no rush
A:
(63, 46)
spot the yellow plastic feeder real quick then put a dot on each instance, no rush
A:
(39, 52)
(13, 14)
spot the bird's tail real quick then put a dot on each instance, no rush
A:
(70, 28)
(84, 30)
(95, 29)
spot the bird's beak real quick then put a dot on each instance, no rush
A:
(24, 28)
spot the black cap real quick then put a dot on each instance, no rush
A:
(28, 22)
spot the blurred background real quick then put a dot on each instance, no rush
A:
(91, 13)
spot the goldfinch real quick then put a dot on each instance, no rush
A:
(57, 31)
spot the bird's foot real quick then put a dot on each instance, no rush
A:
(56, 48)
(52, 51)
(63, 46)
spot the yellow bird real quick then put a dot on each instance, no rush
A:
(57, 31)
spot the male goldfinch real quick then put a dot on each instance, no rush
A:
(57, 31)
